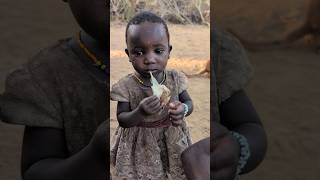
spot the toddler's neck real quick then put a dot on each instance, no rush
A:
(146, 79)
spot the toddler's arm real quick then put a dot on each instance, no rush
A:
(177, 109)
(185, 98)
(128, 118)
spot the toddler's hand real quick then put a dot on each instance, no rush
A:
(176, 112)
(150, 105)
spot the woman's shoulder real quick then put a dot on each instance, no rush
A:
(51, 55)
(46, 62)
(234, 70)
(38, 67)
(32, 90)
(232, 55)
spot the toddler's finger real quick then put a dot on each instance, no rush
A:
(176, 117)
(154, 103)
(175, 112)
(156, 109)
(163, 104)
(151, 98)
(173, 105)
(177, 123)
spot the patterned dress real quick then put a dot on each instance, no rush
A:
(143, 152)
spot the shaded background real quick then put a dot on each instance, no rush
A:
(26, 27)
(285, 89)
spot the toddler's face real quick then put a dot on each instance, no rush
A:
(148, 48)
(92, 16)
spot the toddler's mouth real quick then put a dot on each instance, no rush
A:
(152, 70)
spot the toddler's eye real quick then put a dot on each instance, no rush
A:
(138, 53)
(159, 51)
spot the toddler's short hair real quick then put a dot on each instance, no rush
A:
(147, 16)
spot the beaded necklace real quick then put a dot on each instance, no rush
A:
(98, 63)
(142, 83)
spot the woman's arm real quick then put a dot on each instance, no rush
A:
(45, 157)
(238, 114)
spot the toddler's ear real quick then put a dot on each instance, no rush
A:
(127, 52)
(170, 48)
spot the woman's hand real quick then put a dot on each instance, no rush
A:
(224, 155)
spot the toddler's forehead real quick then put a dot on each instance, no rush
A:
(146, 29)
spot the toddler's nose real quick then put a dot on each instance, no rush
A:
(149, 59)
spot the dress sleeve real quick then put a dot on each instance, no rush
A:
(119, 92)
(26, 102)
(234, 68)
(182, 82)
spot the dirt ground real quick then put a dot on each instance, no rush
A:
(285, 89)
